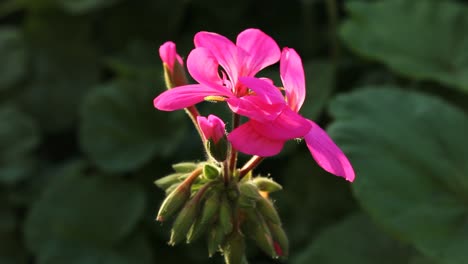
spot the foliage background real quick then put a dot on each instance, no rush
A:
(81, 144)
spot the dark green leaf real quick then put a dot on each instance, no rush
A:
(356, 240)
(84, 6)
(121, 130)
(423, 39)
(320, 82)
(89, 210)
(62, 71)
(13, 54)
(19, 137)
(409, 152)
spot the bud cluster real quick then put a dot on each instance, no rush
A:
(224, 213)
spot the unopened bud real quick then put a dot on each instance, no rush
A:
(210, 172)
(187, 216)
(214, 132)
(250, 191)
(173, 202)
(266, 208)
(257, 229)
(266, 184)
(225, 215)
(166, 181)
(211, 206)
(234, 248)
(280, 240)
(174, 72)
(196, 230)
(185, 167)
(215, 239)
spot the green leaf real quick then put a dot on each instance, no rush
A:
(19, 137)
(328, 198)
(356, 240)
(13, 54)
(409, 152)
(423, 40)
(89, 210)
(320, 82)
(85, 6)
(121, 129)
(136, 249)
(61, 71)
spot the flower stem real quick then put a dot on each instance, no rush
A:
(250, 165)
(193, 113)
(192, 177)
(233, 152)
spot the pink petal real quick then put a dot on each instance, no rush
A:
(292, 76)
(203, 67)
(327, 154)
(288, 125)
(184, 96)
(264, 89)
(246, 140)
(212, 127)
(168, 54)
(254, 107)
(225, 52)
(262, 50)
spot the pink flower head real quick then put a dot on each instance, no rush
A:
(212, 127)
(213, 53)
(169, 55)
(265, 137)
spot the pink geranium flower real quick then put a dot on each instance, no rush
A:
(266, 137)
(213, 53)
(212, 127)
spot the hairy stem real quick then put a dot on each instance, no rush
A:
(233, 152)
(250, 165)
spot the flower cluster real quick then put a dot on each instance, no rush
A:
(273, 117)
(214, 197)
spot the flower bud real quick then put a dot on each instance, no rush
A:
(171, 179)
(266, 184)
(215, 239)
(225, 215)
(214, 133)
(185, 167)
(174, 72)
(210, 172)
(266, 208)
(234, 248)
(280, 240)
(211, 207)
(173, 202)
(257, 229)
(187, 216)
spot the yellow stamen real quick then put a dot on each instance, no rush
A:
(215, 98)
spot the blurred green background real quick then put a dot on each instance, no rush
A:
(81, 144)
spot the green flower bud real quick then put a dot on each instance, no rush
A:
(225, 215)
(266, 184)
(257, 229)
(207, 216)
(234, 248)
(266, 208)
(250, 191)
(171, 188)
(210, 172)
(166, 181)
(211, 207)
(280, 240)
(185, 167)
(218, 150)
(187, 216)
(173, 202)
(215, 239)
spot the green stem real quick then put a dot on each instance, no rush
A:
(233, 152)
(250, 165)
